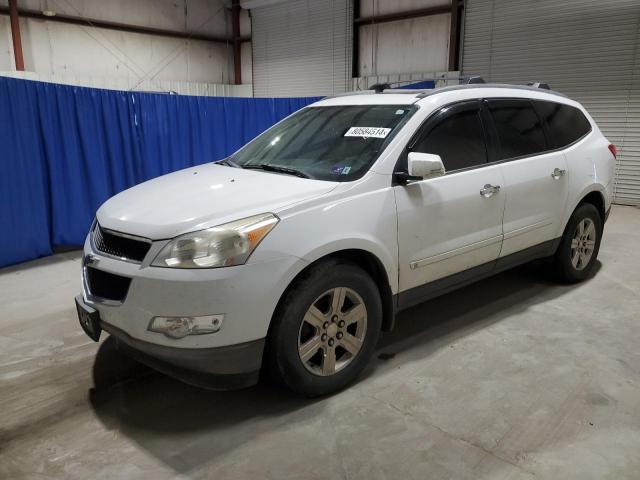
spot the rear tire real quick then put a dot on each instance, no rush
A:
(325, 329)
(579, 246)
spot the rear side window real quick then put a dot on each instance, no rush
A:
(566, 123)
(458, 139)
(519, 128)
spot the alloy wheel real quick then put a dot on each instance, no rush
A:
(583, 243)
(332, 331)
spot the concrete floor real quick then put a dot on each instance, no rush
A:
(512, 378)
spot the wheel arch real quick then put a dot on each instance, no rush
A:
(371, 264)
(594, 194)
(596, 198)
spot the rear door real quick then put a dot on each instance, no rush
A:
(446, 225)
(535, 175)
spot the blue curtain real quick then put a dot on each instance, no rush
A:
(64, 150)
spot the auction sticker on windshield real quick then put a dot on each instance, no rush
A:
(375, 132)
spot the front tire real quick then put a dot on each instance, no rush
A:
(325, 329)
(580, 243)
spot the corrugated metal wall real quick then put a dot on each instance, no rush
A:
(302, 48)
(587, 49)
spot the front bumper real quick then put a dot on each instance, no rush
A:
(246, 295)
(224, 368)
(230, 367)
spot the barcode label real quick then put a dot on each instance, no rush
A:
(375, 132)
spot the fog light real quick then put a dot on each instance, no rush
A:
(180, 327)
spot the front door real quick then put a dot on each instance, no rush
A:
(453, 223)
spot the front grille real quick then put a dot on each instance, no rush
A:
(119, 246)
(107, 285)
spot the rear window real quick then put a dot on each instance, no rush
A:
(566, 123)
(518, 127)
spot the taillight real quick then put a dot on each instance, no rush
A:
(613, 150)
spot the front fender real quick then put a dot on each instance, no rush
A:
(368, 245)
(364, 220)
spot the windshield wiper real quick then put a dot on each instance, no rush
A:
(228, 162)
(277, 168)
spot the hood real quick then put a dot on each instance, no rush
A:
(202, 197)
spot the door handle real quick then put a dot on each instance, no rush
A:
(557, 173)
(489, 190)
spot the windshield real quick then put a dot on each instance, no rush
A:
(327, 143)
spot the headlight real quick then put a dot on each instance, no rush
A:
(221, 246)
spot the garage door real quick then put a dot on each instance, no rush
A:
(587, 49)
(302, 48)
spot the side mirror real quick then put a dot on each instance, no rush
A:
(425, 165)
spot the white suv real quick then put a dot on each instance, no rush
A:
(293, 254)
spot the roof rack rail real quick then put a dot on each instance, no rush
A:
(465, 82)
(472, 80)
(539, 85)
(380, 87)
(412, 84)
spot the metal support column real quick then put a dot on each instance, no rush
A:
(454, 36)
(237, 46)
(15, 34)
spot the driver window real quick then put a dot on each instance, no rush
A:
(458, 139)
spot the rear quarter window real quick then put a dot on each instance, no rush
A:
(566, 124)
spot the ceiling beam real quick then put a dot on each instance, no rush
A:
(123, 27)
(409, 14)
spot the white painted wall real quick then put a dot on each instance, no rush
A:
(6, 47)
(412, 45)
(123, 59)
(112, 59)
